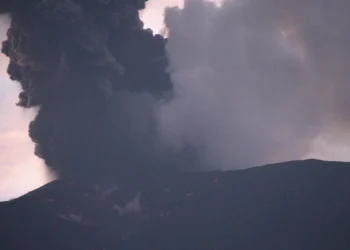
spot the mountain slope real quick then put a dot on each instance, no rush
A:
(293, 205)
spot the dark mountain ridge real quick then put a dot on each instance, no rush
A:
(293, 205)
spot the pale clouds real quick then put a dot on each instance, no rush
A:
(249, 86)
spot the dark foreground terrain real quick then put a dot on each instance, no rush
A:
(294, 205)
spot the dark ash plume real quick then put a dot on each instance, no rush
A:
(79, 60)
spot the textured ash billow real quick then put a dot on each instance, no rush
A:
(246, 83)
(95, 73)
(258, 81)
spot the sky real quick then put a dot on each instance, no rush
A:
(198, 60)
(20, 170)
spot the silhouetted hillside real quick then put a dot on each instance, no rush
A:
(294, 205)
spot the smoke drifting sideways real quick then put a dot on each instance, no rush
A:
(95, 75)
(256, 81)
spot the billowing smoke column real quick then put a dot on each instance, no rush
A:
(256, 81)
(79, 61)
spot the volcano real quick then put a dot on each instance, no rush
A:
(292, 205)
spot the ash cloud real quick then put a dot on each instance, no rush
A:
(95, 75)
(256, 81)
(246, 83)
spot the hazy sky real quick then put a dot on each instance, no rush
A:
(21, 171)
